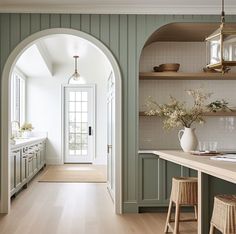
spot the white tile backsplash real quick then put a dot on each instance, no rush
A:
(191, 56)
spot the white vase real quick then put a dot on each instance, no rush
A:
(188, 139)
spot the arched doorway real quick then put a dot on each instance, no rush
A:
(5, 110)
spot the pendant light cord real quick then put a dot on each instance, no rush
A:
(75, 64)
(222, 12)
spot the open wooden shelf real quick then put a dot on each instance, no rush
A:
(186, 76)
(219, 113)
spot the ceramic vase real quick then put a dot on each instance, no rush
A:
(188, 139)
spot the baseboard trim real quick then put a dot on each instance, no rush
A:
(130, 207)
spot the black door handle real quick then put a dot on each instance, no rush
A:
(90, 130)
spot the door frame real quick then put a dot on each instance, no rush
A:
(5, 111)
(63, 87)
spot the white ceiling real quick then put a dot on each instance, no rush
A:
(31, 63)
(119, 6)
(62, 48)
(44, 57)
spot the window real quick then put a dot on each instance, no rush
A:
(18, 97)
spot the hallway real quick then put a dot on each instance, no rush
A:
(75, 208)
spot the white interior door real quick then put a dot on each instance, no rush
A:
(111, 136)
(79, 124)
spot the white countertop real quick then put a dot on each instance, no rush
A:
(25, 141)
(220, 169)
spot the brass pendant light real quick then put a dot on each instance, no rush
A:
(221, 46)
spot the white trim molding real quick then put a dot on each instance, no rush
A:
(166, 9)
(5, 111)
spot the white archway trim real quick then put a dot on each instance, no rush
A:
(5, 110)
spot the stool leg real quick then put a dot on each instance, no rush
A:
(195, 212)
(168, 217)
(212, 229)
(177, 211)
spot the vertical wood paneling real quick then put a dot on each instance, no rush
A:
(123, 64)
(24, 26)
(141, 33)
(85, 23)
(65, 21)
(45, 21)
(105, 34)
(75, 22)
(14, 30)
(151, 24)
(5, 38)
(95, 25)
(34, 23)
(132, 124)
(55, 21)
(114, 35)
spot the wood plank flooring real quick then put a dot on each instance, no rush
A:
(71, 208)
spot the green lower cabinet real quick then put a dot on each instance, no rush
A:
(155, 180)
(149, 180)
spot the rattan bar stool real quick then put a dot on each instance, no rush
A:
(224, 214)
(183, 193)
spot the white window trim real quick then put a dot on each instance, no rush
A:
(22, 76)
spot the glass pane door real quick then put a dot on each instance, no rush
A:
(79, 129)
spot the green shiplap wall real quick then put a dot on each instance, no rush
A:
(125, 35)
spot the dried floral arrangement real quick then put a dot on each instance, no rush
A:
(176, 113)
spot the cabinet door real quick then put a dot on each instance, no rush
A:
(38, 156)
(35, 163)
(155, 180)
(150, 181)
(42, 153)
(30, 166)
(17, 169)
(12, 172)
(23, 169)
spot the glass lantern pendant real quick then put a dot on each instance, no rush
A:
(75, 76)
(221, 46)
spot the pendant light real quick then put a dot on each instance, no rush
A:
(221, 46)
(75, 75)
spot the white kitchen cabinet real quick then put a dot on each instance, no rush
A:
(26, 160)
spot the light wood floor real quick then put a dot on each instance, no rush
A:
(70, 208)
